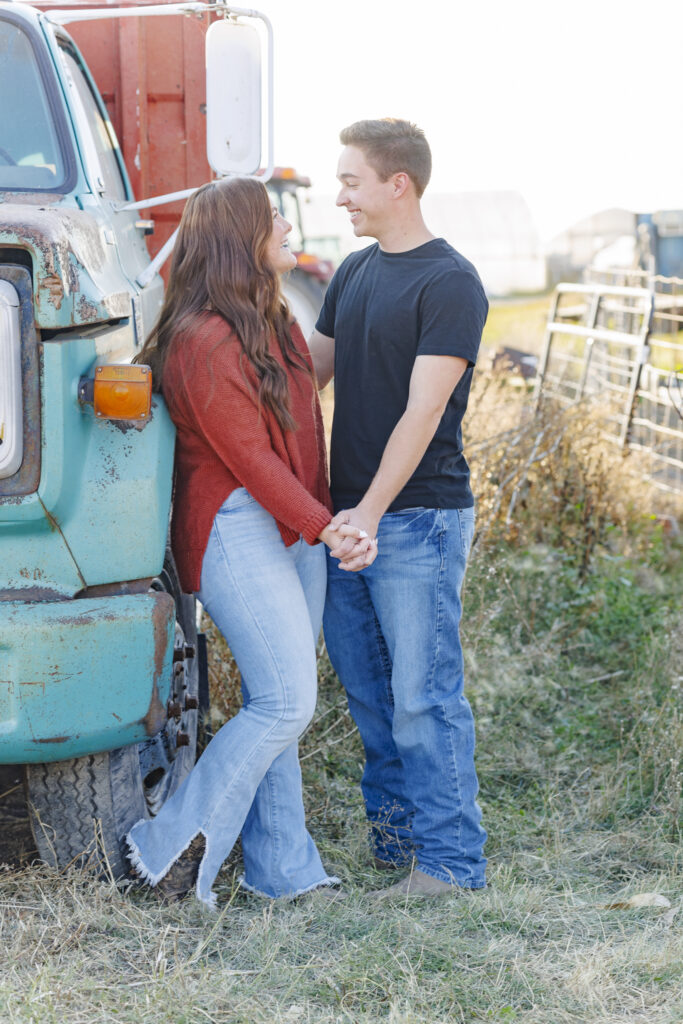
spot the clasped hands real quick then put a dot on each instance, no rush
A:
(351, 537)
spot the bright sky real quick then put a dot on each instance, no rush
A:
(574, 103)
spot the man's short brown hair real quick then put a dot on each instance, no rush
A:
(391, 146)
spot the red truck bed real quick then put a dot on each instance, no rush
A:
(150, 72)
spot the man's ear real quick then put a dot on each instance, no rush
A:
(401, 183)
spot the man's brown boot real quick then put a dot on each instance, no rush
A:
(417, 883)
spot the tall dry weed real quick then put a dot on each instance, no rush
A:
(550, 477)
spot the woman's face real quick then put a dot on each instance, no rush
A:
(279, 254)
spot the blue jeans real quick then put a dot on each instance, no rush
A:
(392, 632)
(267, 601)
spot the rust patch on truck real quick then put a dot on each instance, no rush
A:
(140, 586)
(54, 288)
(87, 311)
(52, 522)
(53, 739)
(32, 574)
(161, 615)
(33, 594)
(155, 719)
(78, 279)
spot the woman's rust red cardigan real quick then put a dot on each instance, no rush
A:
(225, 441)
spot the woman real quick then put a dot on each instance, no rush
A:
(250, 503)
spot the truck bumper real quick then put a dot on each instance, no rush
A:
(79, 677)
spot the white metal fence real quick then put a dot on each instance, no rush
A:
(619, 340)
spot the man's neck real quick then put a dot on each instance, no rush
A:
(404, 235)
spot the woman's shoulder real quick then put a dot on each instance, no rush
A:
(201, 353)
(204, 335)
(207, 329)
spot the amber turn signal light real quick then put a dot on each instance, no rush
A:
(122, 392)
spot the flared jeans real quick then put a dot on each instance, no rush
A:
(267, 600)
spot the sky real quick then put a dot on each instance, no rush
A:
(574, 103)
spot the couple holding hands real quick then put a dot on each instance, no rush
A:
(272, 554)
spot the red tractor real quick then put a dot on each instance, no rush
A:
(305, 286)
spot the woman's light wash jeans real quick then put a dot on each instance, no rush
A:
(267, 600)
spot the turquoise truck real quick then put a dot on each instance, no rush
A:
(100, 683)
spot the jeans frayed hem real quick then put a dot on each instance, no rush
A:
(449, 876)
(324, 883)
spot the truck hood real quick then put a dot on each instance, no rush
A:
(76, 272)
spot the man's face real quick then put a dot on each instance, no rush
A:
(367, 199)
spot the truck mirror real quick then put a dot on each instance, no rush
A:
(233, 98)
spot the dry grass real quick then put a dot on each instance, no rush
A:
(537, 946)
(574, 650)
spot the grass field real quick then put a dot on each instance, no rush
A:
(574, 654)
(517, 323)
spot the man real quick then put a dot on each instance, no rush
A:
(400, 330)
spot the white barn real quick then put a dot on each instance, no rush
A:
(496, 232)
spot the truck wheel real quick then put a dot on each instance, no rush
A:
(305, 295)
(81, 810)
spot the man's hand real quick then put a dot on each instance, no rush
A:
(359, 549)
(363, 555)
(355, 555)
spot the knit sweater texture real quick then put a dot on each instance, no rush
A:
(224, 441)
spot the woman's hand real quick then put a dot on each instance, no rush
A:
(351, 544)
(334, 535)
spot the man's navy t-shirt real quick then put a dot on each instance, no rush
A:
(383, 310)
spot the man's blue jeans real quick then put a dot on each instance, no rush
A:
(392, 632)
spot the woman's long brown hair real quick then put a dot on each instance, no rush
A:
(220, 264)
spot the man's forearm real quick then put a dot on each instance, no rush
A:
(404, 450)
(407, 444)
(433, 380)
(322, 354)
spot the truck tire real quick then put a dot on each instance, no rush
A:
(81, 810)
(305, 295)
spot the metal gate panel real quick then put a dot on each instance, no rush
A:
(598, 346)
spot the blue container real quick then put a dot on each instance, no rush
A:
(665, 240)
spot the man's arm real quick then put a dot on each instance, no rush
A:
(322, 353)
(432, 382)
